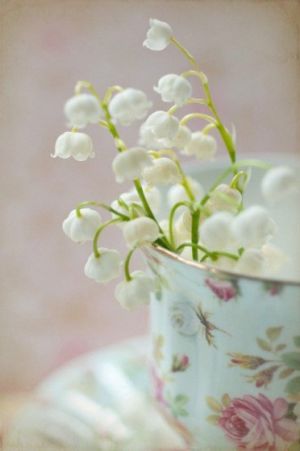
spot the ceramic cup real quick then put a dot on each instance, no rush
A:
(225, 358)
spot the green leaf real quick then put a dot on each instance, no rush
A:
(213, 419)
(181, 399)
(297, 340)
(286, 373)
(280, 347)
(273, 333)
(226, 400)
(293, 386)
(263, 344)
(213, 404)
(291, 359)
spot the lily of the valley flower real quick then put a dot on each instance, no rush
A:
(215, 232)
(163, 172)
(224, 198)
(129, 105)
(83, 109)
(82, 228)
(174, 88)
(74, 144)
(158, 36)
(202, 146)
(159, 130)
(177, 192)
(105, 267)
(136, 291)
(253, 227)
(152, 195)
(182, 137)
(278, 183)
(252, 262)
(129, 165)
(140, 231)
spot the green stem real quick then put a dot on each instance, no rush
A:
(102, 205)
(201, 248)
(128, 277)
(203, 116)
(171, 219)
(98, 232)
(195, 233)
(184, 181)
(161, 241)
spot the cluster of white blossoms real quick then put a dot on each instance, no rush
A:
(207, 225)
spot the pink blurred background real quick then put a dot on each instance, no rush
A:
(50, 312)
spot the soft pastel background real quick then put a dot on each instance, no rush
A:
(49, 311)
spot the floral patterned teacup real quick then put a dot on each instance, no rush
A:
(226, 355)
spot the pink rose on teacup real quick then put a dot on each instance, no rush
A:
(255, 422)
(223, 289)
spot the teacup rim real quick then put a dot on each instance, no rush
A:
(223, 273)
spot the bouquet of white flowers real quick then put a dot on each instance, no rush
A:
(213, 226)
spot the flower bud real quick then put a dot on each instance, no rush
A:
(83, 109)
(253, 227)
(177, 193)
(224, 198)
(159, 129)
(129, 165)
(104, 268)
(278, 183)
(182, 137)
(137, 291)
(202, 146)
(252, 262)
(74, 144)
(83, 228)
(129, 105)
(174, 88)
(215, 232)
(140, 231)
(158, 36)
(163, 172)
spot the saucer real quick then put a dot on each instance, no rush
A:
(98, 402)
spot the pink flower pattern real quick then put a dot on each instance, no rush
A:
(257, 423)
(223, 289)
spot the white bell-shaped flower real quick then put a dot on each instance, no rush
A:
(275, 257)
(278, 183)
(159, 130)
(251, 263)
(82, 228)
(183, 227)
(202, 146)
(215, 232)
(158, 36)
(104, 268)
(140, 231)
(129, 105)
(177, 192)
(135, 292)
(129, 165)
(83, 109)
(163, 172)
(174, 88)
(253, 227)
(74, 144)
(224, 198)
(182, 137)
